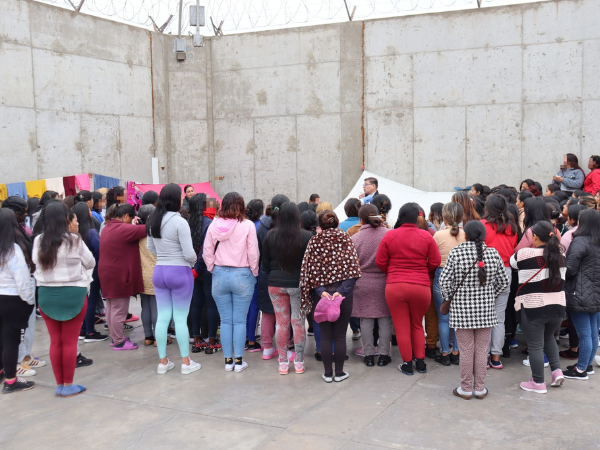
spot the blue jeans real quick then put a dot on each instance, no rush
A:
(444, 328)
(586, 325)
(232, 289)
(252, 315)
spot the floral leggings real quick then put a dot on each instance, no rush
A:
(286, 303)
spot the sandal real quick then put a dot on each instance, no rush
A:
(169, 342)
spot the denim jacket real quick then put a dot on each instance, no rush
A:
(572, 179)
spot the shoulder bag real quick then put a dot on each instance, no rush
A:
(445, 306)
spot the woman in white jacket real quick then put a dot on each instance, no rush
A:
(17, 296)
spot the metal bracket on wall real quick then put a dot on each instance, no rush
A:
(479, 3)
(219, 178)
(164, 25)
(218, 31)
(350, 16)
(77, 8)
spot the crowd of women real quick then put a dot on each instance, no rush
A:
(490, 264)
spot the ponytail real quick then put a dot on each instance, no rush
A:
(552, 253)
(481, 274)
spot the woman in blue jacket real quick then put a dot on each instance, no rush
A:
(570, 177)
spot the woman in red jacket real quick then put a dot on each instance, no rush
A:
(120, 270)
(407, 255)
(501, 234)
(592, 181)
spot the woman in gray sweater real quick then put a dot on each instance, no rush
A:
(170, 239)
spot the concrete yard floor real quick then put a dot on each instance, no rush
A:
(128, 406)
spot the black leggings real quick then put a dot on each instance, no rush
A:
(331, 331)
(14, 317)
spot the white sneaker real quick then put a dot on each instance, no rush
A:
(164, 368)
(35, 362)
(527, 363)
(337, 379)
(192, 367)
(240, 367)
(597, 359)
(23, 370)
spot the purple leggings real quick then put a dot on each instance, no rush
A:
(173, 286)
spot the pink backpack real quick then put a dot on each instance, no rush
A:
(328, 309)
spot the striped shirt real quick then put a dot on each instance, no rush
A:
(535, 294)
(74, 265)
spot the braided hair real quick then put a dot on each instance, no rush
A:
(476, 233)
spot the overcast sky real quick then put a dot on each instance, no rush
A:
(240, 16)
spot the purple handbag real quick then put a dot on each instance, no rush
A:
(328, 309)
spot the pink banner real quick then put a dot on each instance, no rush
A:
(205, 188)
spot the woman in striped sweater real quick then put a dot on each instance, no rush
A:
(541, 300)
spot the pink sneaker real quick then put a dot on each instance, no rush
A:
(532, 386)
(133, 318)
(274, 354)
(299, 366)
(127, 345)
(284, 367)
(557, 378)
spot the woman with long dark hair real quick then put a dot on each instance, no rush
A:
(17, 299)
(189, 192)
(46, 196)
(32, 204)
(283, 250)
(202, 296)
(535, 210)
(90, 237)
(472, 279)
(541, 300)
(583, 291)
(120, 269)
(254, 211)
(407, 255)
(467, 203)
(501, 234)
(170, 239)
(263, 299)
(330, 269)
(521, 198)
(64, 267)
(231, 254)
(570, 177)
(435, 215)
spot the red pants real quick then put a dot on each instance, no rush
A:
(408, 304)
(63, 344)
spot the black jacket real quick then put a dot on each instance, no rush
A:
(277, 278)
(263, 300)
(583, 276)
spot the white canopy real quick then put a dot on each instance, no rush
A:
(398, 193)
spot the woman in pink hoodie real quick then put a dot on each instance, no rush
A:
(231, 255)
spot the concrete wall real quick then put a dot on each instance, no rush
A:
(75, 95)
(492, 95)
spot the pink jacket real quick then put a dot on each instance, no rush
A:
(238, 245)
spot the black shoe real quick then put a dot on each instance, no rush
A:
(2, 376)
(454, 359)
(431, 352)
(82, 335)
(318, 356)
(573, 374)
(129, 316)
(406, 368)
(19, 385)
(394, 340)
(506, 349)
(384, 360)
(444, 360)
(37, 313)
(589, 370)
(369, 361)
(421, 366)
(199, 347)
(82, 361)
(95, 337)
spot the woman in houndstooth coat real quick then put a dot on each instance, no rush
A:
(472, 311)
